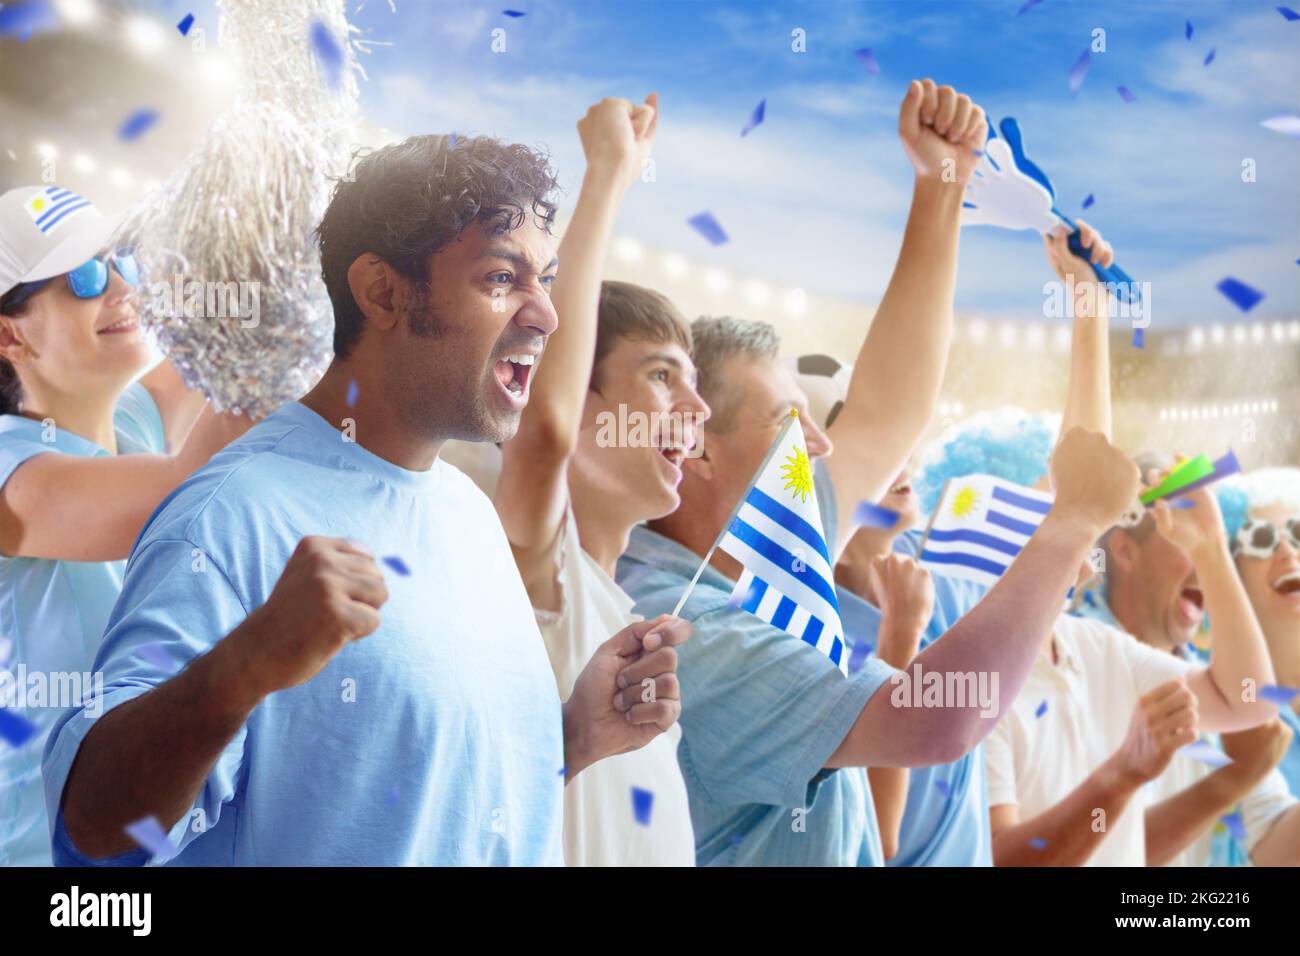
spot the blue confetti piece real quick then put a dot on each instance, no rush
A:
(157, 656)
(1236, 826)
(858, 656)
(1181, 503)
(1139, 339)
(328, 52)
(1029, 4)
(148, 832)
(515, 13)
(735, 840)
(392, 798)
(137, 124)
(868, 60)
(1209, 58)
(1078, 72)
(452, 142)
(1125, 94)
(1204, 752)
(708, 227)
(1288, 13)
(1189, 29)
(868, 514)
(352, 392)
(16, 728)
(944, 789)
(1282, 696)
(642, 801)
(397, 564)
(1042, 709)
(1038, 843)
(563, 771)
(755, 117)
(1239, 294)
(184, 25)
(20, 19)
(1089, 201)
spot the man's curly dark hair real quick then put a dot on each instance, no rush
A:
(407, 201)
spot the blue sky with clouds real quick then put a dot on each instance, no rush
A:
(817, 195)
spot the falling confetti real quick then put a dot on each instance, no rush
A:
(868, 60)
(1038, 843)
(1209, 58)
(328, 53)
(708, 227)
(148, 832)
(756, 117)
(1125, 94)
(1139, 339)
(1182, 503)
(944, 789)
(185, 24)
(1282, 696)
(397, 564)
(352, 392)
(157, 656)
(137, 124)
(1239, 294)
(393, 796)
(1042, 709)
(1288, 13)
(1029, 4)
(858, 656)
(1089, 201)
(642, 801)
(868, 514)
(16, 728)
(1189, 29)
(515, 13)
(1078, 72)
(1203, 752)
(563, 771)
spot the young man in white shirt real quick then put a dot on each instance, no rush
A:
(567, 522)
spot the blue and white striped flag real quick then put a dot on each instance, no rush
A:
(980, 525)
(776, 533)
(54, 205)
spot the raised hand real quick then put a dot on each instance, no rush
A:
(941, 129)
(1068, 266)
(1193, 528)
(904, 592)
(1092, 479)
(617, 136)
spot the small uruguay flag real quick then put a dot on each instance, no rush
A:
(980, 525)
(53, 205)
(776, 533)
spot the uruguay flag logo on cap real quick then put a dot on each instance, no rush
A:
(54, 205)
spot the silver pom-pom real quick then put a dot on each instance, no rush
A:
(232, 284)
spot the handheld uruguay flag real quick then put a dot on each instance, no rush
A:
(776, 533)
(980, 525)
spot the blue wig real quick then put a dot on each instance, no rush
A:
(1018, 451)
(1234, 506)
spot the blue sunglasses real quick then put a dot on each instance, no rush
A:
(87, 281)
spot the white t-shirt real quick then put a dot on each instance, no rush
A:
(1260, 808)
(1036, 761)
(600, 826)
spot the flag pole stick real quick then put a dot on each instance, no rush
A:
(780, 437)
(943, 494)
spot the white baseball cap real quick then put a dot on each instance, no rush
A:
(46, 231)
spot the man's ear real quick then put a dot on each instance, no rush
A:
(1122, 550)
(374, 286)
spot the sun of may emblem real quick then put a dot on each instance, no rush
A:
(965, 501)
(798, 474)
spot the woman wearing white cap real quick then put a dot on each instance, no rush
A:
(85, 457)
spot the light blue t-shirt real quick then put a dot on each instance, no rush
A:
(52, 616)
(1290, 765)
(436, 740)
(762, 712)
(946, 819)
